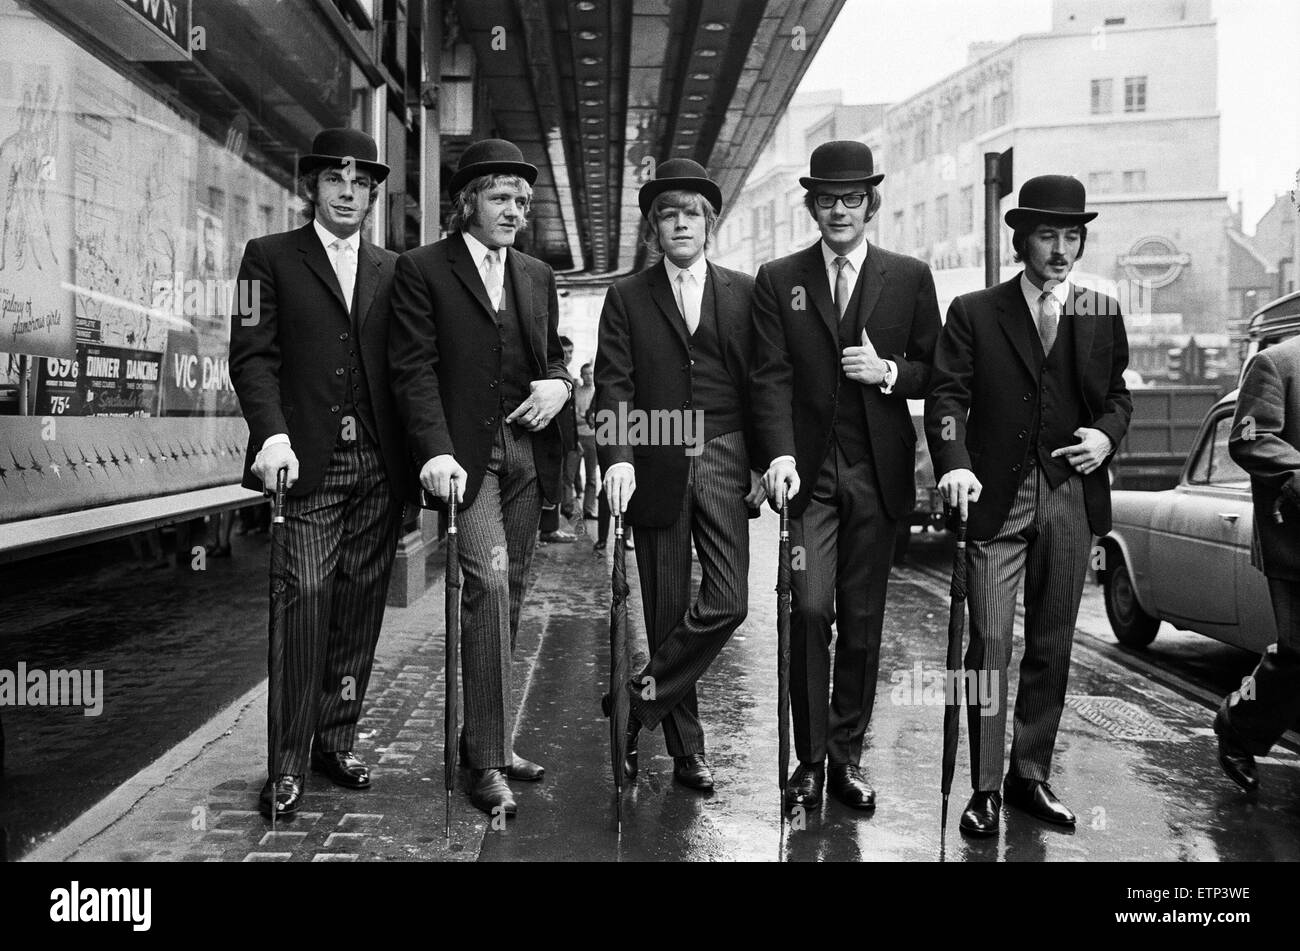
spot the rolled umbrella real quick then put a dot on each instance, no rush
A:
(451, 709)
(783, 657)
(275, 631)
(953, 672)
(618, 669)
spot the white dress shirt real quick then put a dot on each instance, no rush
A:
(694, 287)
(1033, 294)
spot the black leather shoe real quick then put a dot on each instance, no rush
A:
(850, 787)
(285, 791)
(693, 772)
(982, 813)
(1236, 761)
(633, 738)
(521, 769)
(343, 768)
(490, 792)
(805, 786)
(1037, 799)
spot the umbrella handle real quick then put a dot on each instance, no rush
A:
(618, 527)
(451, 508)
(281, 478)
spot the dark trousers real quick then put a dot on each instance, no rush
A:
(685, 637)
(1269, 703)
(1045, 540)
(847, 542)
(339, 542)
(590, 475)
(498, 534)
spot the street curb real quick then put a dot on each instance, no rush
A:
(64, 845)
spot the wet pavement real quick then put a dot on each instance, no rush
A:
(1135, 757)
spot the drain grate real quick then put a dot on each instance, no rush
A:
(1123, 720)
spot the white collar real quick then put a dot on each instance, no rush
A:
(1060, 291)
(699, 270)
(857, 257)
(478, 250)
(328, 237)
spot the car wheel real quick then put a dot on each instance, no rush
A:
(1133, 627)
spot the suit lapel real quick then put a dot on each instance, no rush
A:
(319, 263)
(463, 266)
(1082, 331)
(1012, 314)
(818, 288)
(368, 265)
(662, 294)
(873, 283)
(523, 289)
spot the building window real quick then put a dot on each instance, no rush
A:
(918, 218)
(941, 217)
(967, 224)
(921, 141)
(1135, 181)
(966, 124)
(898, 229)
(1102, 90)
(1000, 104)
(1101, 182)
(1135, 94)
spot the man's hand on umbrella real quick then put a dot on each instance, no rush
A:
(959, 488)
(271, 460)
(1089, 452)
(544, 402)
(437, 474)
(781, 481)
(620, 483)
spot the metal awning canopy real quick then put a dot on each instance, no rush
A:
(595, 92)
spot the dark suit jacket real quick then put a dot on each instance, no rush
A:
(797, 374)
(1265, 442)
(442, 348)
(286, 360)
(643, 363)
(986, 390)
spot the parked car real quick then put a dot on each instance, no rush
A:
(1182, 555)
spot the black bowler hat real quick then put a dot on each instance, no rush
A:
(841, 162)
(1051, 198)
(333, 147)
(491, 157)
(680, 174)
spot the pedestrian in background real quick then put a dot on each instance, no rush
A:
(1265, 441)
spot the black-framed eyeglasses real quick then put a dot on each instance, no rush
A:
(851, 200)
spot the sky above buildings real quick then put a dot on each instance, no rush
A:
(888, 50)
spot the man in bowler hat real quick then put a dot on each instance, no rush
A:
(309, 364)
(844, 335)
(674, 342)
(1028, 405)
(479, 377)
(1265, 441)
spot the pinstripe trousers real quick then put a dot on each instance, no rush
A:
(339, 542)
(1046, 540)
(685, 637)
(498, 534)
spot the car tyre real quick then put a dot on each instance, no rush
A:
(1133, 627)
